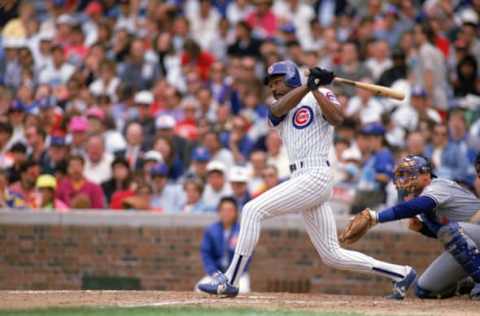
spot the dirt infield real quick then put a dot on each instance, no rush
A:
(269, 301)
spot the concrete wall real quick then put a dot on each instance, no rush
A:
(58, 251)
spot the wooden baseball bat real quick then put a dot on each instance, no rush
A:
(376, 89)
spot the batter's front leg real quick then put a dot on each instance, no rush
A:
(321, 228)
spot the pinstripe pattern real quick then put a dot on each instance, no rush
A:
(305, 192)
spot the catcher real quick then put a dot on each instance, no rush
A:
(438, 208)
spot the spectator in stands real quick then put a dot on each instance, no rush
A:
(137, 71)
(75, 190)
(133, 152)
(120, 180)
(351, 67)
(193, 188)
(18, 154)
(204, 22)
(270, 178)
(415, 144)
(142, 102)
(136, 198)
(165, 125)
(151, 158)
(78, 127)
(410, 115)
(238, 141)
(238, 178)
(277, 154)
(46, 184)
(376, 172)
(217, 186)
(36, 138)
(24, 189)
(195, 59)
(262, 20)
(198, 168)
(364, 107)
(170, 157)
(258, 162)
(16, 119)
(379, 61)
(59, 71)
(56, 154)
(219, 241)
(397, 71)
(211, 141)
(98, 161)
(430, 71)
(245, 44)
(166, 197)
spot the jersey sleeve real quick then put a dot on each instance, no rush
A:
(438, 191)
(274, 120)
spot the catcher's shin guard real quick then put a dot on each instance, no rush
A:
(462, 248)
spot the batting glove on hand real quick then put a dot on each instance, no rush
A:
(319, 77)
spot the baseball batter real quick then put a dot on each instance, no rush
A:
(439, 208)
(305, 116)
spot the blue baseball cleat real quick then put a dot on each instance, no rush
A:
(219, 286)
(400, 288)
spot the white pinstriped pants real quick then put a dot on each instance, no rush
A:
(308, 192)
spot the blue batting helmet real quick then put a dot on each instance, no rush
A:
(286, 68)
(408, 170)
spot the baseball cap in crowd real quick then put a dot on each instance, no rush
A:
(153, 155)
(201, 154)
(57, 141)
(93, 8)
(238, 174)
(418, 91)
(46, 36)
(143, 97)
(66, 19)
(165, 121)
(374, 129)
(159, 169)
(216, 166)
(96, 112)
(78, 124)
(46, 181)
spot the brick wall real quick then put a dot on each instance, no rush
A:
(40, 251)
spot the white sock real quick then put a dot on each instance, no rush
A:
(236, 268)
(393, 271)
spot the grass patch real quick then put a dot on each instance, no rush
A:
(167, 311)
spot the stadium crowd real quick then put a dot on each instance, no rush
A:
(160, 105)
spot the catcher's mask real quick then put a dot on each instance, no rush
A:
(407, 172)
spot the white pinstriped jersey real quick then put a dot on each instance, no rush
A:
(304, 130)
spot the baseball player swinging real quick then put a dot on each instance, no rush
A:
(441, 209)
(305, 116)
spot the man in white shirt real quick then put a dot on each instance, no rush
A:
(58, 71)
(204, 23)
(364, 107)
(217, 186)
(380, 59)
(300, 14)
(98, 162)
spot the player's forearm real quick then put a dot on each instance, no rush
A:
(421, 204)
(331, 111)
(288, 101)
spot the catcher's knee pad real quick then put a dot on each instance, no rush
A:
(462, 248)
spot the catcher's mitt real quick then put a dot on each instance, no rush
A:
(358, 226)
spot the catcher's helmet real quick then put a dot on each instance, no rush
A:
(286, 68)
(408, 170)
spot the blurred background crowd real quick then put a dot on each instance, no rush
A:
(160, 105)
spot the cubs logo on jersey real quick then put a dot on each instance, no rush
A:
(302, 117)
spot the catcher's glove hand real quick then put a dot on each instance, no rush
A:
(358, 226)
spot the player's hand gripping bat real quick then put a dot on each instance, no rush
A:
(374, 88)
